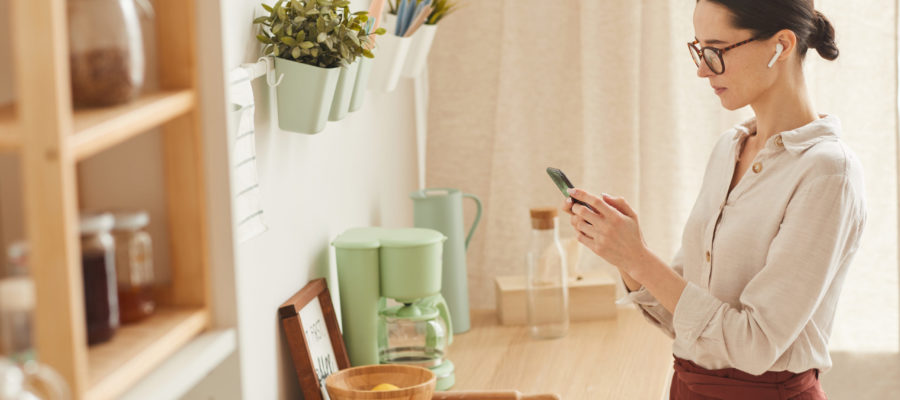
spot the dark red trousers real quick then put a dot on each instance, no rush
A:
(692, 382)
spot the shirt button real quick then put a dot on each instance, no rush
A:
(708, 256)
(757, 167)
(779, 141)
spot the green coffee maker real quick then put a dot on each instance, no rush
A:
(391, 305)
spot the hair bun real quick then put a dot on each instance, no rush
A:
(823, 38)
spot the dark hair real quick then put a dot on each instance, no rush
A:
(767, 17)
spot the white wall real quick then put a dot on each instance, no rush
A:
(357, 172)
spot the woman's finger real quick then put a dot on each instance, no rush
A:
(585, 239)
(600, 206)
(583, 226)
(567, 206)
(587, 214)
(621, 205)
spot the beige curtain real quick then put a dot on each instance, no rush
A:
(606, 91)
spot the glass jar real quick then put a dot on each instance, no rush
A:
(31, 380)
(134, 266)
(106, 51)
(17, 306)
(98, 262)
(547, 292)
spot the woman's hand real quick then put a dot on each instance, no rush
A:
(612, 232)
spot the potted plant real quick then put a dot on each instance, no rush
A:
(312, 41)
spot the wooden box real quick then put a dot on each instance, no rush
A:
(591, 296)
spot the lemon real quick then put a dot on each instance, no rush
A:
(384, 386)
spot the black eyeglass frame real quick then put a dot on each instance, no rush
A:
(697, 54)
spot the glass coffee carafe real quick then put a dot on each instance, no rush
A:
(414, 333)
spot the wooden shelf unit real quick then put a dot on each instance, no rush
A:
(51, 139)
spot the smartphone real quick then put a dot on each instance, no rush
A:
(563, 183)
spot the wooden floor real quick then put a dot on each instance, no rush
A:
(621, 358)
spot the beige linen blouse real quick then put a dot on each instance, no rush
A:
(765, 263)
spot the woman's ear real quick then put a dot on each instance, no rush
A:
(788, 41)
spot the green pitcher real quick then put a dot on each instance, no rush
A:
(441, 209)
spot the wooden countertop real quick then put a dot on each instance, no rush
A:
(619, 358)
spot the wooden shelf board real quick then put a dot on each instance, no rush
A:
(9, 129)
(98, 129)
(115, 366)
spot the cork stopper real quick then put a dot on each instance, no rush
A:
(542, 217)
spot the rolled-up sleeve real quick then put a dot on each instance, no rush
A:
(652, 310)
(816, 238)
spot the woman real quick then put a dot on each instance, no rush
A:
(750, 297)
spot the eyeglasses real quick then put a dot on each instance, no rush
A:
(711, 55)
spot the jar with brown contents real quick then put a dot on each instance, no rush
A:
(134, 266)
(98, 262)
(106, 52)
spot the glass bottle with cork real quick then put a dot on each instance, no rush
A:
(547, 291)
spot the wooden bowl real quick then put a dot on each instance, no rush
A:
(415, 383)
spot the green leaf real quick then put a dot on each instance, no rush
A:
(321, 38)
(296, 5)
(263, 38)
(299, 19)
(307, 45)
(282, 15)
(267, 8)
(301, 36)
(261, 20)
(380, 31)
(314, 51)
(295, 52)
(353, 38)
(277, 28)
(268, 50)
(311, 12)
(368, 53)
(275, 51)
(288, 41)
(290, 30)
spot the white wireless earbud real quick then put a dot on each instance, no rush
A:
(778, 49)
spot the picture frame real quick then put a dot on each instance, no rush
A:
(314, 336)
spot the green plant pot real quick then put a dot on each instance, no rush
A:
(340, 106)
(362, 82)
(304, 95)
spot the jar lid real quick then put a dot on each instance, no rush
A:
(544, 212)
(131, 220)
(95, 223)
(542, 217)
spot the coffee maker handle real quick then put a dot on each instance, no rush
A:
(442, 308)
(477, 217)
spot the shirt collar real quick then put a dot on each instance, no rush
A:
(798, 140)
